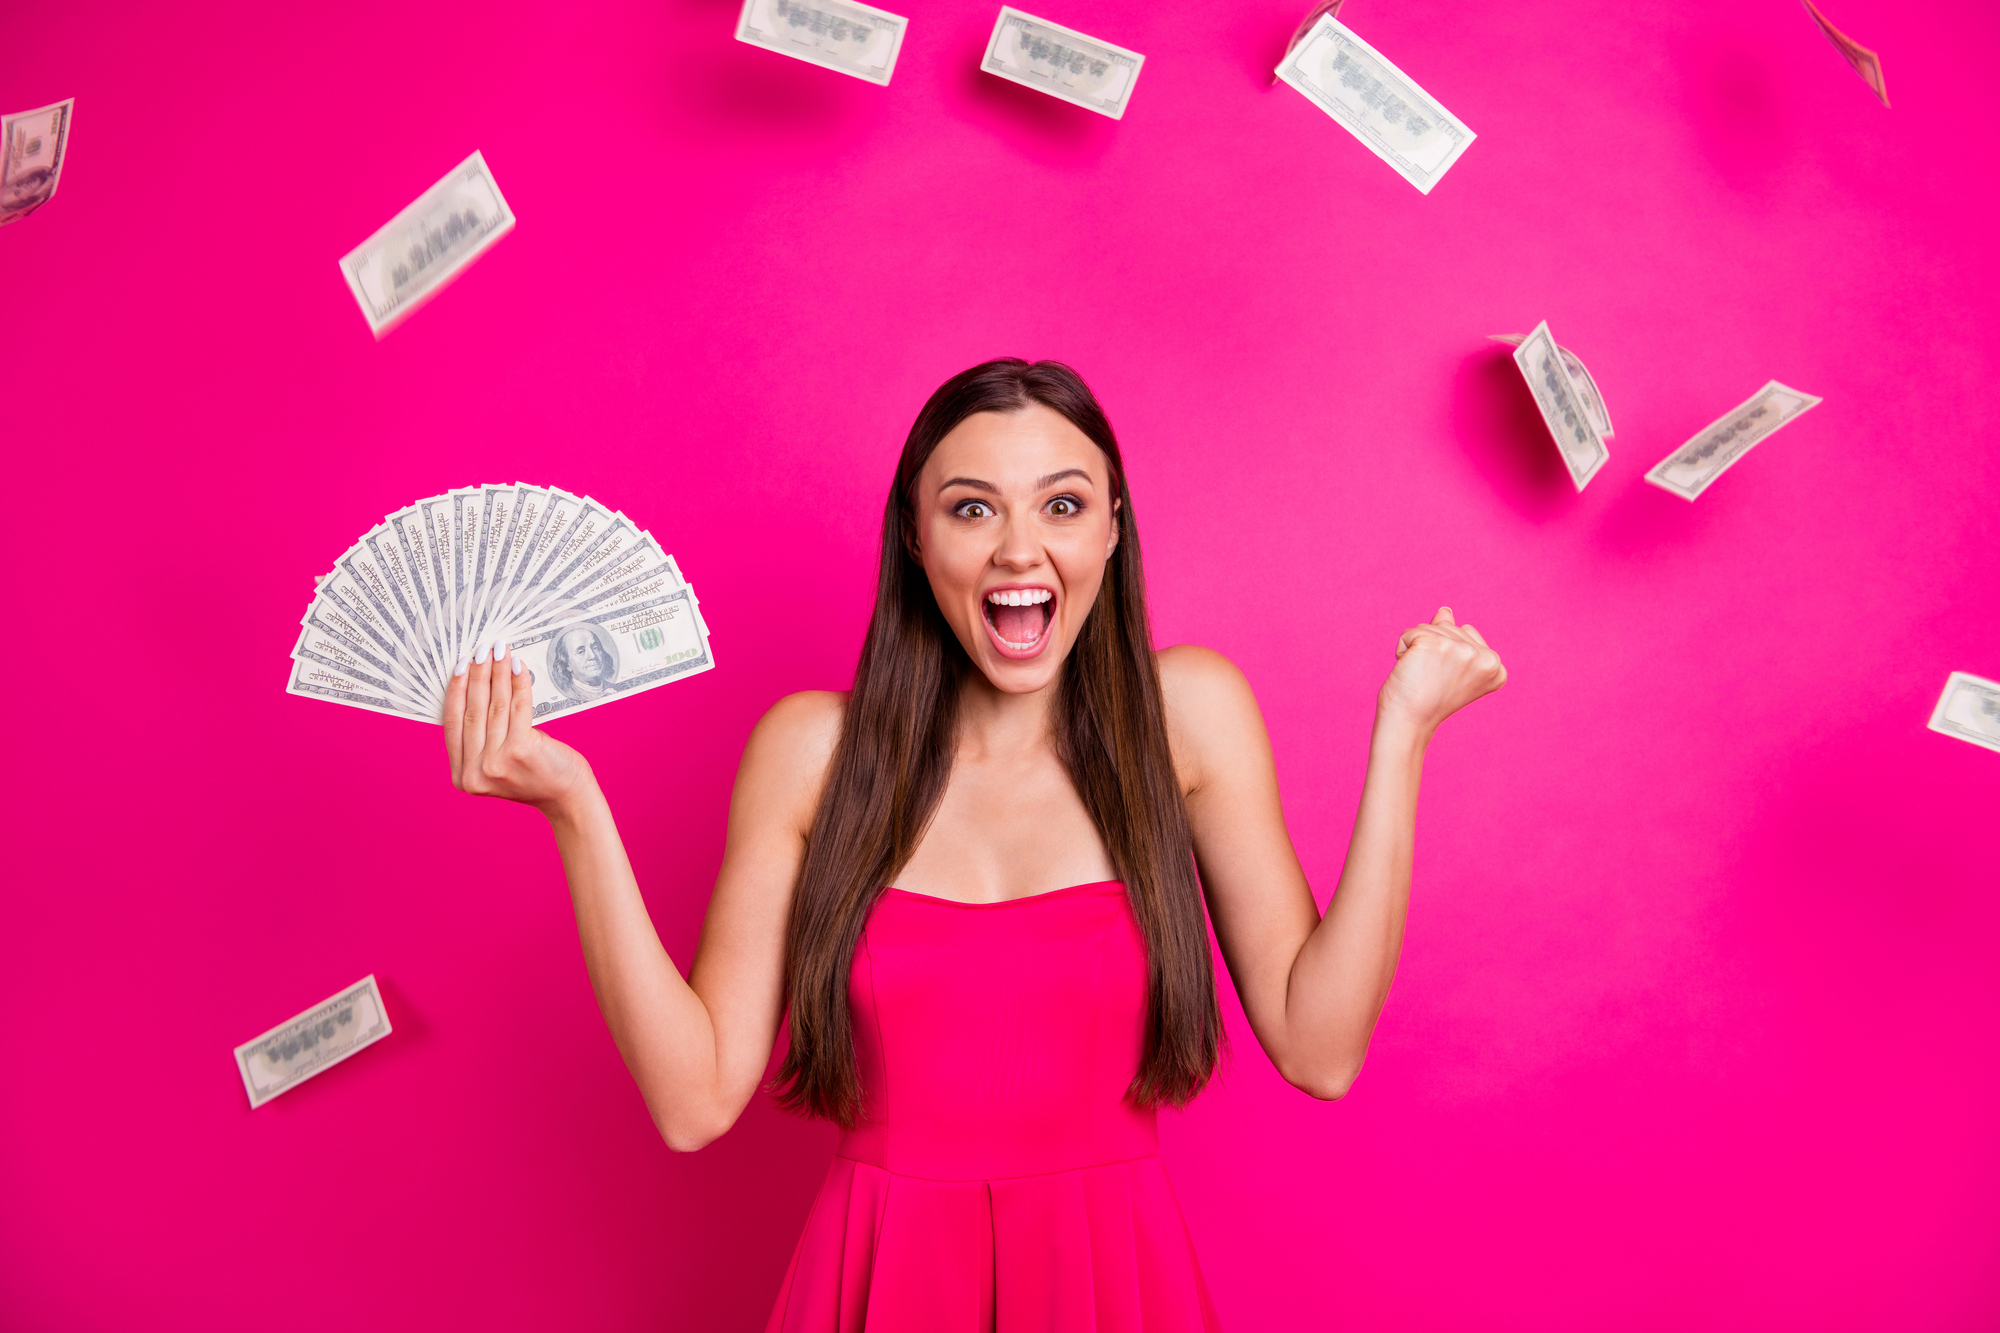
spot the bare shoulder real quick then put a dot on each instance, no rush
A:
(1195, 673)
(785, 761)
(1211, 711)
(803, 724)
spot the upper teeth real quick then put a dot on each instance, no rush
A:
(1019, 597)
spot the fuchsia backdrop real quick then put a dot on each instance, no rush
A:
(1696, 1023)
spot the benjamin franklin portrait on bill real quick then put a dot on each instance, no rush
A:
(583, 662)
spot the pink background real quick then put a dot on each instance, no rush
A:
(1696, 1023)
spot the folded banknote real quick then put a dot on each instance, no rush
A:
(1560, 398)
(1579, 378)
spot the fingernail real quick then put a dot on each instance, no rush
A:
(500, 651)
(463, 663)
(517, 664)
(481, 658)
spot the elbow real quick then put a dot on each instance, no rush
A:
(1325, 1082)
(686, 1132)
(681, 1138)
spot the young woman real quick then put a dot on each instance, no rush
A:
(970, 884)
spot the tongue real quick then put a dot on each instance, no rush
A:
(1018, 624)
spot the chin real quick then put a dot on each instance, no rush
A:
(1016, 677)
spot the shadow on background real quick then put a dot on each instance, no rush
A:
(409, 1033)
(1046, 128)
(1261, 39)
(733, 87)
(1495, 418)
(1738, 109)
(1642, 518)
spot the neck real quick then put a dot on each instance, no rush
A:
(994, 722)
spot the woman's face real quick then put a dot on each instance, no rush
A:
(1014, 522)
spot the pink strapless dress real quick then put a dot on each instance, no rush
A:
(1001, 1181)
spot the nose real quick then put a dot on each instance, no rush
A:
(1020, 548)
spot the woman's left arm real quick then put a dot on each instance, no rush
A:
(1312, 987)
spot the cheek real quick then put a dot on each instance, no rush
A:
(950, 562)
(1080, 562)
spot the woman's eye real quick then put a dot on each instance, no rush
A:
(1064, 507)
(974, 509)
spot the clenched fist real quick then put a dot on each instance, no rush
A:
(1440, 668)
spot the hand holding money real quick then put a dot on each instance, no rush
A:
(494, 746)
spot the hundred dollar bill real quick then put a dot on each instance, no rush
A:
(1866, 63)
(593, 661)
(1562, 407)
(1690, 469)
(347, 607)
(1062, 62)
(845, 35)
(326, 640)
(33, 142)
(427, 244)
(1378, 104)
(1580, 380)
(317, 1039)
(315, 676)
(1969, 709)
(550, 535)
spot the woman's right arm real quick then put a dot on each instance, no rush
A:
(699, 1047)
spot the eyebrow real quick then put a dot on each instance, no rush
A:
(1041, 484)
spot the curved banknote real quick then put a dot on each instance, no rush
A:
(1692, 468)
(552, 573)
(1865, 62)
(32, 143)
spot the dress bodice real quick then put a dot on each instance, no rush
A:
(999, 1181)
(999, 1039)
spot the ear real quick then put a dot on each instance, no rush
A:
(913, 537)
(1112, 545)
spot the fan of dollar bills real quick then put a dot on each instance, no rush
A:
(593, 606)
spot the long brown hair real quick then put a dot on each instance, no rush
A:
(895, 753)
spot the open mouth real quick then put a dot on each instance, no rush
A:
(1019, 619)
